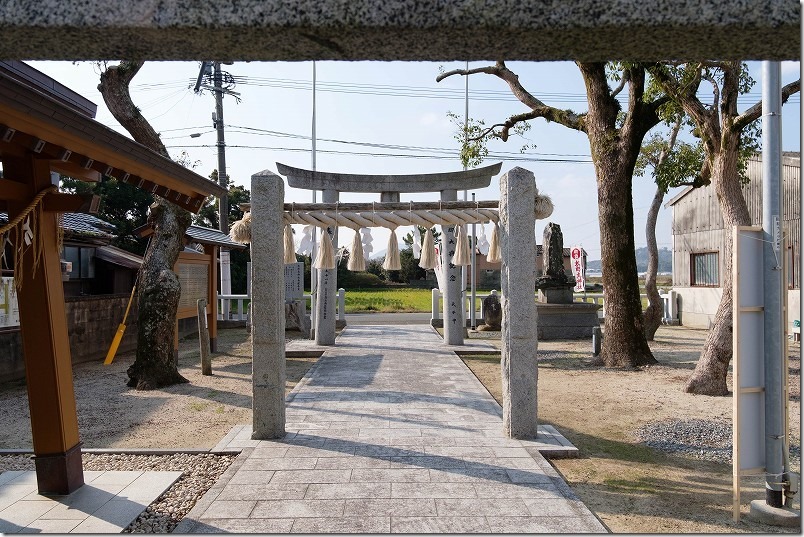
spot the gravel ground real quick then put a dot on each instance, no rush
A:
(702, 439)
(200, 471)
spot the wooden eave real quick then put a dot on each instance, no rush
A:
(78, 146)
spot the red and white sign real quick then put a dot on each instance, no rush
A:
(576, 258)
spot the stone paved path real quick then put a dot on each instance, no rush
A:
(390, 432)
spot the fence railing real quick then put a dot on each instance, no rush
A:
(669, 300)
(238, 304)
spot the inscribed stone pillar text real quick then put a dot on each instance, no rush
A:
(518, 279)
(327, 287)
(268, 306)
(454, 324)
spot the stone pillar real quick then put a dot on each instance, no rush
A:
(518, 278)
(267, 306)
(454, 324)
(327, 288)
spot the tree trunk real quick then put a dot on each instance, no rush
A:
(624, 344)
(614, 152)
(159, 289)
(709, 377)
(652, 316)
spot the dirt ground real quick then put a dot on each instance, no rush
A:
(193, 415)
(631, 487)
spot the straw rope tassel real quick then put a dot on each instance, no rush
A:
(494, 255)
(428, 260)
(392, 254)
(461, 257)
(357, 263)
(290, 248)
(326, 252)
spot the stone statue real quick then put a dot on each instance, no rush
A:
(554, 285)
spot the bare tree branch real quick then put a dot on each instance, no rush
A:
(563, 117)
(507, 126)
(489, 70)
(620, 87)
(715, 88)
(753, 113)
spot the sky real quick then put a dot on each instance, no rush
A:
(387, 118)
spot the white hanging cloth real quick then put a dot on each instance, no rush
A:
(306, 242)
(290, 251)
(417, 242)
(461, 258)
(326, 252)
(357, 263)
(482, 241)
(494, 255)
(392, 253)
(428, 259)
(366, 240)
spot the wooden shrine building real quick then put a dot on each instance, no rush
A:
(46, 130)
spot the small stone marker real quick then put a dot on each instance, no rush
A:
(492, 313)
(203, 337)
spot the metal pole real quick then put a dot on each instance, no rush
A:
(313, 272)
(772, 217)
(466, 192)
(472, 316)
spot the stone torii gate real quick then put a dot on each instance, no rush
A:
(389, 187)
(518, 247)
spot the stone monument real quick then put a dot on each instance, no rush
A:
(560, 317)
(492, 313)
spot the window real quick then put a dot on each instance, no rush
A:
(793, 261)
(705, 270)
(83, 260)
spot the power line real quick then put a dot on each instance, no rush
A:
(518, 158)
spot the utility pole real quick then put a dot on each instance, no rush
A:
(223, 180)
(213, 69)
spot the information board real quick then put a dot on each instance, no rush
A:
(194, 279)
(294, 281)
(9, 310)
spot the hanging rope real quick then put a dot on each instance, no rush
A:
(428, 259)
(392, 261)
(391, 219)
(357, 263)
(27, 235)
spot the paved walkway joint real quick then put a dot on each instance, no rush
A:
(390, 432)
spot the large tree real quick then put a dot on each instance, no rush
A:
(674, 164)
(724, 132)
(615, 137)
(158, 286)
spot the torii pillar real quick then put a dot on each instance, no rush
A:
(327, 287)
(454, 325)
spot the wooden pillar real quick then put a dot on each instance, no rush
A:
(48, 366)
(212, 304)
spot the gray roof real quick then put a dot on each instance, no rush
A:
(81, 224)
(207, 235)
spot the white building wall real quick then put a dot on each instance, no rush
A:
(697, 306)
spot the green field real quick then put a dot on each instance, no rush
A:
(387, 300)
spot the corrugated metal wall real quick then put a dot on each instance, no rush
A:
(698, 224)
